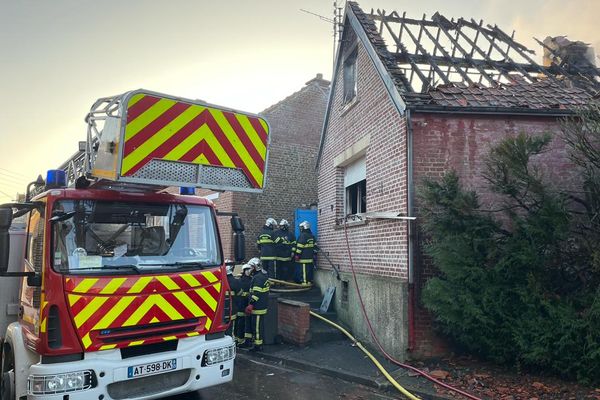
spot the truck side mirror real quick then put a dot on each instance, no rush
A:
(239, 241)
(5, 222)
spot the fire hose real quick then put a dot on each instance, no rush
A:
(375, 361)
(376, 340)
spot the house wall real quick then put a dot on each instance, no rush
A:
(378, 247)
(444, 142)
(295, 130)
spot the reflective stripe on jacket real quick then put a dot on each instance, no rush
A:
(305, 247)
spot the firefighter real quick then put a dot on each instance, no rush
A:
(258, 302)
(304, 257)
(285, 243)
(242, 326)
(234, 288)
(266, 246)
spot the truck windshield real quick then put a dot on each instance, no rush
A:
(91, 237)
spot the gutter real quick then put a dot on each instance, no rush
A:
(410, 232)
(435, 109)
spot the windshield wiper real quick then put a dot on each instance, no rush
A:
(128, 266)
(180, 264)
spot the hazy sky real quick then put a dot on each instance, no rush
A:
(58, 56)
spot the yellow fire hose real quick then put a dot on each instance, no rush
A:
(375, 361)
(296, 287)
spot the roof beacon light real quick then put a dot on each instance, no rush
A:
(187, 190)
(56, 178)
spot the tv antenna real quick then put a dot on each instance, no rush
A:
(336, 21)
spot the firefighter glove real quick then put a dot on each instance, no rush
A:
(249, 309)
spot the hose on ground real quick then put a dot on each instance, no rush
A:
(374, 336)
(375, 361)
(293, 284)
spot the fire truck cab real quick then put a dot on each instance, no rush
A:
(122, 284)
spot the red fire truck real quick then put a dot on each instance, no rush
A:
(122, 290)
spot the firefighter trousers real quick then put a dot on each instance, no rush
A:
(285, 270)
(269, 266)
(303, 273)
(239, 329)
(258, 326)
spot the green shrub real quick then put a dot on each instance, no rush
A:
(520, 284)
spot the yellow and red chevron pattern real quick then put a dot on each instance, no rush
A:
(113, 313)
(167, 129)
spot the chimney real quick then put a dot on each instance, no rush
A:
(318, 80)
(559, 49)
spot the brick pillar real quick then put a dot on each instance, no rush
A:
(293, 321)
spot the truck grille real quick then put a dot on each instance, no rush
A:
(148, 385)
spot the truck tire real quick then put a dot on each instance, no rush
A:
(7, 381)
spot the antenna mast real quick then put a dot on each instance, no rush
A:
(336, 22)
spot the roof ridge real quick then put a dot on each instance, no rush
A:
(313, 83)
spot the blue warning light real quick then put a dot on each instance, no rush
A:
(56, 178)
(190, 191)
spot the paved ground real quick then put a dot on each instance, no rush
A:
(256, 379)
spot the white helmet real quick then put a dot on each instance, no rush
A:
(284, 222)
(229, 269)
(246, 266)
(271, 222)
(255, 263)
(304, 225)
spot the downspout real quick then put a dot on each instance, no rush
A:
(411, 233)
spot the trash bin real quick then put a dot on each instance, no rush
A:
(271, 320)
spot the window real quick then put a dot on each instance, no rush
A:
(107, 237)
(350, 77)
(355, 183)
(31, 296)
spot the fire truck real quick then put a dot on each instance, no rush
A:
(122, 289)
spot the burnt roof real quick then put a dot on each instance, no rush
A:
(464, 63)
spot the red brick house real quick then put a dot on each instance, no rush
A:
(295, 124)
(410, 99)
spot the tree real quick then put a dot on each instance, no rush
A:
(521, 284)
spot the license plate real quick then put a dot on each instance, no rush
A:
(151, 368)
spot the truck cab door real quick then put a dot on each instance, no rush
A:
(31, 297)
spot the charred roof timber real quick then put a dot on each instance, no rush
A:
(425, 56)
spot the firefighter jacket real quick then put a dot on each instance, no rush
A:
(234, 288)
(305, 247)
(244, 292)
(259, 293)
(285, 245)
(266, 244)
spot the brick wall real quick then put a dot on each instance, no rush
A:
(295, 133)
(379, 247)
(444, 142)
(293, 321)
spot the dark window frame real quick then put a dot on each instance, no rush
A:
(350, 76)
(356, 197)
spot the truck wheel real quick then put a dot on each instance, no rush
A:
(7, 383)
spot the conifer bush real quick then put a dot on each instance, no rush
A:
(521, 284)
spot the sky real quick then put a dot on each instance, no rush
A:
(57, 57)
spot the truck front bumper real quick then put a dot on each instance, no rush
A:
(106, 376)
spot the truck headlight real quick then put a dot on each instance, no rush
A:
(60, 383)
(218, 355)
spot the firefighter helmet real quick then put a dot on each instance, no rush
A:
(283, 223)
(229, 269)
(246, 266)
(271, 223)
(255, 263)
(304, 225)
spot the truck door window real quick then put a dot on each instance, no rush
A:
(102, 237)
(34, 255)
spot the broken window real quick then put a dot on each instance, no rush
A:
(355, 183)
(350, 77)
